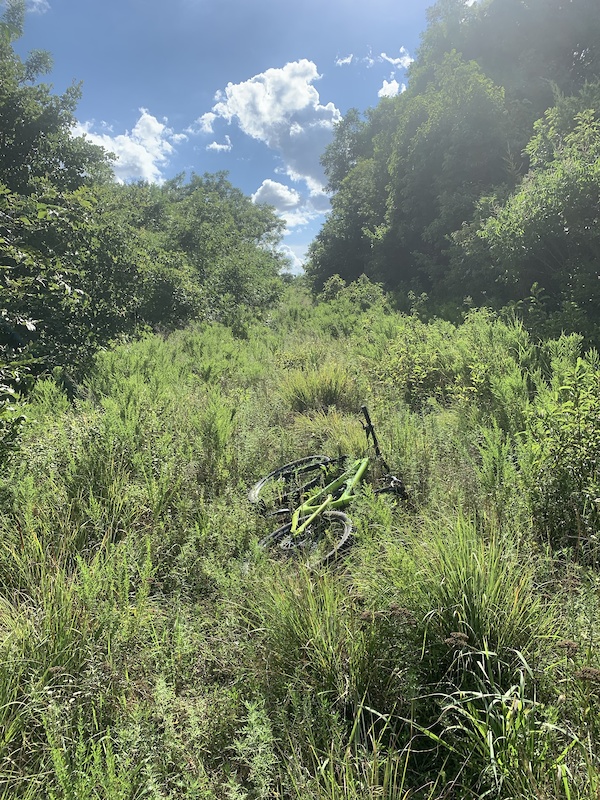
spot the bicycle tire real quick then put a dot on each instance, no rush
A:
(323, 541)
(289, 475)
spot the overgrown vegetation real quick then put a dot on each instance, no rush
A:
(152, 367)
(150, 649)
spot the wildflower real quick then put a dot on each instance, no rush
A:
(402, 614)
(370, 616)
(590, 674)
(570, 647)
(457, 640)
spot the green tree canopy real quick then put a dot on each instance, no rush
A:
(545, 236)
(479, 181)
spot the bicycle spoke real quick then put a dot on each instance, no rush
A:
(287, 484)
(308, 486)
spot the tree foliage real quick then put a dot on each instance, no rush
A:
(480, 181)
(37, 146)
(545, 234)
(84, 260)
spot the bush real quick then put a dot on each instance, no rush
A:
(330, 385)
(562, 458)
(485, 362)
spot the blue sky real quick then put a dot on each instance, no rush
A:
(253, 87)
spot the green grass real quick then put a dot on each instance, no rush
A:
(150, 649)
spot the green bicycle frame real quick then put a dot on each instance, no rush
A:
(350, 478)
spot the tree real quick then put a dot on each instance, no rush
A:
(433, 154)
(83, 260)
(36, 141)
(526, 46)
(545, 235)
(351, 142)
(427, 168)
(230, 243)
(46, 213)
(344, 245)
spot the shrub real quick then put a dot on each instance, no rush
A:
(327, 386)
(561, 458)
(484, 362)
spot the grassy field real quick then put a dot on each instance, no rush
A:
(149, 647)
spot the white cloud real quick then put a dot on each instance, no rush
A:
(140, 153)
(37, 6)
(277, 194)
(296, 255)
(296, 209)
(369, 60)
(203, 124)
(281, 108)
(220, 148)
(391, 89)
(404, 60)
(301, 216)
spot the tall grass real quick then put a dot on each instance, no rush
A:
(328, 386)
(148, 648)
(479, 600)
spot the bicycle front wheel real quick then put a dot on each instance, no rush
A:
(328, 535)
(289, 481)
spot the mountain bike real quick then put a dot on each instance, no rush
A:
(310, 494)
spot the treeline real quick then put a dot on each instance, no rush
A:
(83, 260)
(479, 185)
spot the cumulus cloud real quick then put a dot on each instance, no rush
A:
(203, 124)
(277, 194)
(141, 153)
(296, 209)
(391, 89)
(281, 108)
(220, 148)
(299, 217)
(296, 254)
(342, 62)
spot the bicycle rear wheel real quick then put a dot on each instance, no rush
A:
(289, 481)
(328, 535)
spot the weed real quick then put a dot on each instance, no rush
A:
(328, 386)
